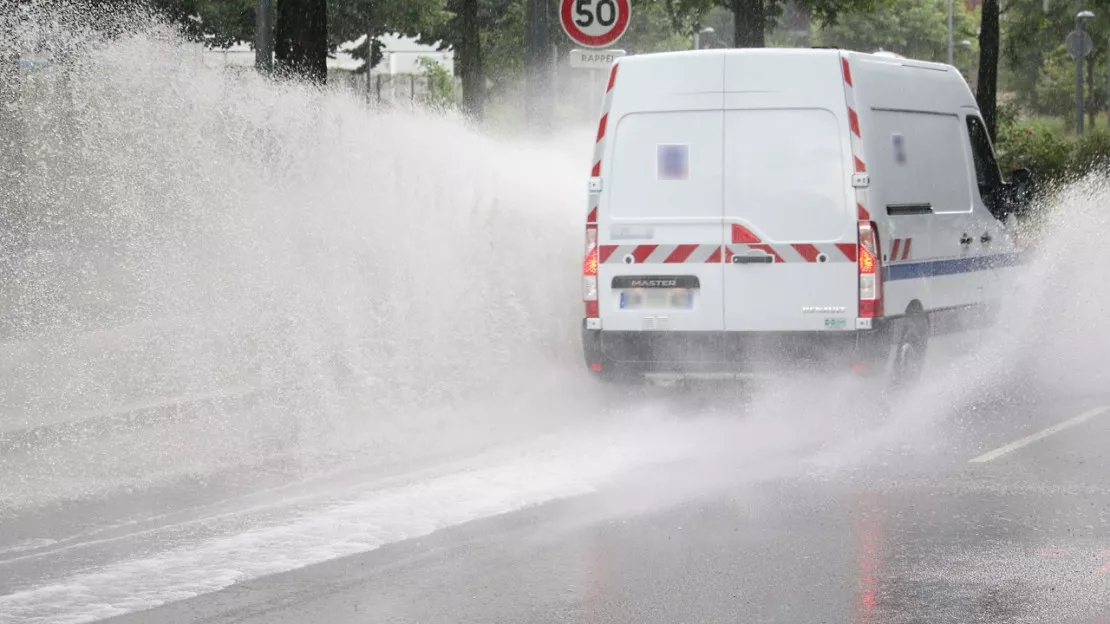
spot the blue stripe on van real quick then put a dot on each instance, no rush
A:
(952, 266)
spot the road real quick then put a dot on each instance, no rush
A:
(674, 507)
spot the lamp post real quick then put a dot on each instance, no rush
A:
(1079, 17)
(950, 52)
(965, 45)
(697, 36)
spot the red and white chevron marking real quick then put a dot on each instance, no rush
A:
(599, 145)
(700, 254)
(856, 136)
(900, 246)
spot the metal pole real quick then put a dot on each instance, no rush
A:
(553, 82)
(950, 52)
(594, 106)
(1092, 110)
(369, 49)
(697, 40)
(264, 36)
(1079, 70)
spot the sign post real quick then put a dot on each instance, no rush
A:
(595, 25)
(595, 61)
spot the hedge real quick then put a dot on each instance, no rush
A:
(1054, 156)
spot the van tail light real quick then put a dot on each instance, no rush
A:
(870, 272)
(589, 272)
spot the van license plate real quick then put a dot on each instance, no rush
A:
(656, 299)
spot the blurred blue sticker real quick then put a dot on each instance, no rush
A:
(899, 143)
(674, 162)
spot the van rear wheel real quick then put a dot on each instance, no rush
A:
(910, 348)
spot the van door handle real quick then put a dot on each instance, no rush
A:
(985, 238)
(753, 259)
(965, 239)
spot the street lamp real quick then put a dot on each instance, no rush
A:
(965, 45)
(1080, 36)
(950, 54)
(704, 31)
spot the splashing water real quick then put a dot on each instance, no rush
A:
(401, 281)
(194, 230)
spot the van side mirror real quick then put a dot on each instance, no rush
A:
(1022, 189)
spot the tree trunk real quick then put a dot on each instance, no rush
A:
(749, 23)
(986, 92)
(301, 39)
(470, 60)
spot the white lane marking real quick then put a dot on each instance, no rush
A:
(1040, 435)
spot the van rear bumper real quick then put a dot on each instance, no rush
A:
(735, 352)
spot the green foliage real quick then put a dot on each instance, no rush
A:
(657, 27)
(1035, 146)
(829, 12)
(503, 50)
(1032, 51)
(913, 28)
(1048, 149)
(1055, 86)
(219, 23)
(686, 15)
(1092, 152)
(442, 95)
(348, 20)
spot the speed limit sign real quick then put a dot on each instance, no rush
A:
(595, 23)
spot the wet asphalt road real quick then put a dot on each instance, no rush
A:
(917, 533)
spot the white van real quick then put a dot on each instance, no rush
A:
(758, 209)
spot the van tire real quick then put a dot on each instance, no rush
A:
(909, 351)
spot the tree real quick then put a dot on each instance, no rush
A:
(218, 23)
(1032, 66)
(348, 20)
(665, 25)
(915, 29)
(657, 25)
(752, 19)
(986, 91)
(469, 58)
(301, 39)
(1055, 87)
(441, 95)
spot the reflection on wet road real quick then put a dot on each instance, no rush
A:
(998, 516)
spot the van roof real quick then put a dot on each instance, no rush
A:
(891, 80)
(819, 52)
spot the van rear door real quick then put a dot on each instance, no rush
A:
(659, 222)
(789, 212)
